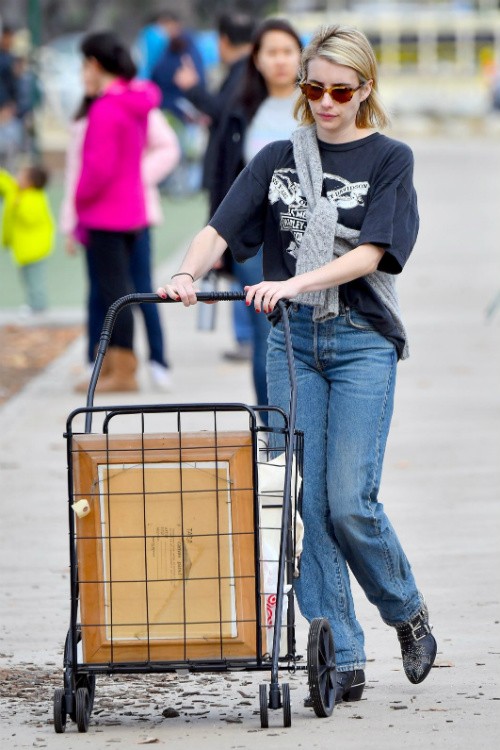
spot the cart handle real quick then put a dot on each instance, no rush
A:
(139, 299)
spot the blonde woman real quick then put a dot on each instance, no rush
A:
(336, 211)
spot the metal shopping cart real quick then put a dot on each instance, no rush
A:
(184, 540)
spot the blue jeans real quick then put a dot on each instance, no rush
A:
(241, 323)
(248, 273)
(140, 272)
(346, 376)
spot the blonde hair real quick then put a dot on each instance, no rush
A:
(344, 45)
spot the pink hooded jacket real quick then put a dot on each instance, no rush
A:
(159, 159)
(110, 193)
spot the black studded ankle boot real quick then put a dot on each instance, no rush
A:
(350, 685)
(418, 646)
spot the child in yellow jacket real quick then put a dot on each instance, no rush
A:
(28, 229)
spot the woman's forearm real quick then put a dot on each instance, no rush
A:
(203, 253)
(360, 261)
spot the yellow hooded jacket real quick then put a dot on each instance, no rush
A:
(27, 223)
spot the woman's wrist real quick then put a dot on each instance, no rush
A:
(183, 273)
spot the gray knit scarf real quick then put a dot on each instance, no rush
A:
(326, 239)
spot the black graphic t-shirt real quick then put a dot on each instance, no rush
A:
(371, 183)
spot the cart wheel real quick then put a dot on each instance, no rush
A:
(59, 711)
(264, 713)
(88, 682)
(82, 709)
(321, 667)
(285, 698)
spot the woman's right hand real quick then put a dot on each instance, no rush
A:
(204, 251)
(181, 289)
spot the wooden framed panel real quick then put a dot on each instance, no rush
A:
(166, 556)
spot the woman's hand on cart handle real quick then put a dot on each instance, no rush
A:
(203, 253)
(266, 294)
(180, 288)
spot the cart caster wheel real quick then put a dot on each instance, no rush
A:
(82, 709)
(264, 712)
(59, 711)
(88, 682)
(321, 667)
(285, 699)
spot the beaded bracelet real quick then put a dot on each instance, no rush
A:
(183, 273)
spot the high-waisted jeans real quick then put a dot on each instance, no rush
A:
(346, 375)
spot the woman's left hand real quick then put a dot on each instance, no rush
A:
(266, 294)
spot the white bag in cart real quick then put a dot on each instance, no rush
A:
(271, 478)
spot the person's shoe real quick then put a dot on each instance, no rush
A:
(122, 370)
(83, 385)
(160, 376)
(242, 353)
(350, 686)
(418, 646)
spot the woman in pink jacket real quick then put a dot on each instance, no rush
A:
(109, 200)
(159, 158)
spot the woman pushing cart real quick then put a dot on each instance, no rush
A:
(336, 213)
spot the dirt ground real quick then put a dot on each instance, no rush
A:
(26, 350)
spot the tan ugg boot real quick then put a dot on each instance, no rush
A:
(83, 385)
(122, 369)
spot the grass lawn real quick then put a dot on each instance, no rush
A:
(66, 275)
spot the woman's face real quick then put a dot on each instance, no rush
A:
(91, 76)
(278, 60)
(335, 122)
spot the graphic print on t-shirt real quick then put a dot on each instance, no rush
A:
(285, 189)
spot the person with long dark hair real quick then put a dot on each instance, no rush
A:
(159, 158)
(336, 211)
(109, 198)
(262, 112)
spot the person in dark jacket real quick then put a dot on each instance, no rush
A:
(180, 44)
(235, 34)
(8, 82)
(235, 43)
(10, 128)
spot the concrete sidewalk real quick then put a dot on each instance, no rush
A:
(441, 490)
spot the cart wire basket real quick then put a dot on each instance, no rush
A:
(184, 541)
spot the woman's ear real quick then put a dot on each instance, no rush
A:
(366, 90)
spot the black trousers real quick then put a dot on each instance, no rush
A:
(110, 256)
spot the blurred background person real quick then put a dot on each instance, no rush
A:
(187, 121)
(151, 43)
(261, 111)
(235, 33)
(10, 126)
(179, 42)
(28, 230)
(160, 156)
(29, 97)
(109, 199)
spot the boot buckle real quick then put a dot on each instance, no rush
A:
(419, 628)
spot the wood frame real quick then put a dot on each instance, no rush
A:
(121, 562)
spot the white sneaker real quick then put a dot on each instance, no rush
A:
(160, 376)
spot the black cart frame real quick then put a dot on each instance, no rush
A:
(76, 698)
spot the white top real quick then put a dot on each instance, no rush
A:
(273, 121)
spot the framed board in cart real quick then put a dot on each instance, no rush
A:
(166, 554)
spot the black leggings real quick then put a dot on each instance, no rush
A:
(110, 256)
